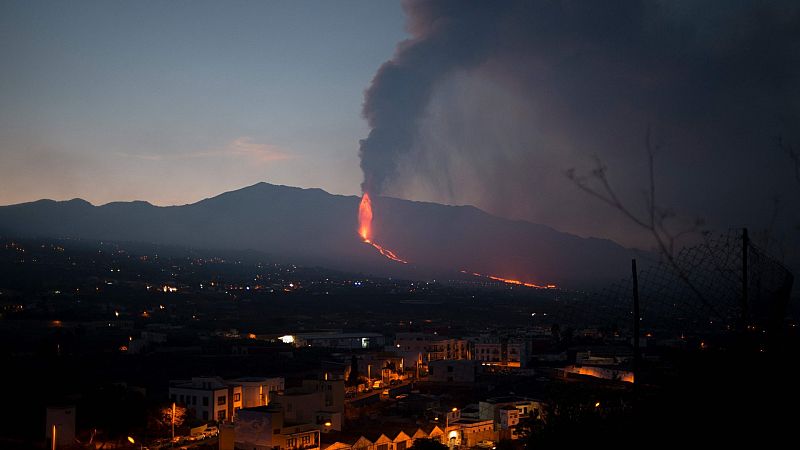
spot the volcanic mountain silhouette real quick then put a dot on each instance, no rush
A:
(311, 226)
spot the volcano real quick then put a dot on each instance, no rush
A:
(313, 227)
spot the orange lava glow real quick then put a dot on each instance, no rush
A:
(365, 218)
(510, 281)
(365, 229)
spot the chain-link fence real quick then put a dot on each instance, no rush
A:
(699, 291)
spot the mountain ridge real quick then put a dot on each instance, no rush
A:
(310, 225)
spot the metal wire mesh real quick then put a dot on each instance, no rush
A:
(699, 291)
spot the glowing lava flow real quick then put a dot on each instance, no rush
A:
(510, 281)
(365, 228)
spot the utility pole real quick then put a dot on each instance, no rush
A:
(636, 320)
(173, 421)
(745, 277)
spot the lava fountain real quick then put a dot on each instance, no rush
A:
(365, 232)
(365, 229)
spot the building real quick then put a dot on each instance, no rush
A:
(208, 398)
(346, 341)
(464, 432)
(381, 439)
(509, 421)
(62, 418)
(265, 428)
(501, 351)
(496, 407)
(259, 391)
(452, 371)
(426, 347)
(319, 402)
(509, 417)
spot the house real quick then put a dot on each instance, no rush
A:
(492, 408)
(259, 391)
(319, 402)
(264, 428)
(208, 398)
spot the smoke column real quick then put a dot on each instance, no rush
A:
(402, 87)
(489, 102)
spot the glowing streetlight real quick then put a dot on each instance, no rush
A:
(597, 405)
(132, 441)
(447, 417)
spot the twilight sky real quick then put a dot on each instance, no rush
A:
(175, 101)
(487, 103)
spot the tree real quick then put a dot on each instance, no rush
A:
(161, 417)
(354, 377)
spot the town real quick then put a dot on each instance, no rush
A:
(165, 347)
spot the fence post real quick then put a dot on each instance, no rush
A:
(635, 322)
(745, 277)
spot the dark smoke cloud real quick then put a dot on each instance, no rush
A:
(488, 103)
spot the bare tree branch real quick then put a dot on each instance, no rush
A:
(654, 220)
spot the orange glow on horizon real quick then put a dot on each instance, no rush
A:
(512, 281)
(365, 229)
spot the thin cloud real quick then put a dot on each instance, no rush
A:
(239, 148)
(244, 147)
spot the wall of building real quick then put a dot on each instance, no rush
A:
(452, 371)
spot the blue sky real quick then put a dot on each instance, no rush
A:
(172, 102)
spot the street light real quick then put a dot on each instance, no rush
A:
(447, 418)
(132, 441)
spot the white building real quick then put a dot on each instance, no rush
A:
(259, 391)
(500, 351)
(348, 341)
(208, 398)
(494, 408)
(425, 347)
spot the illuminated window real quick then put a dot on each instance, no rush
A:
(237, 397)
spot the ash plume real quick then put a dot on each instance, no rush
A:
(490, 102)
